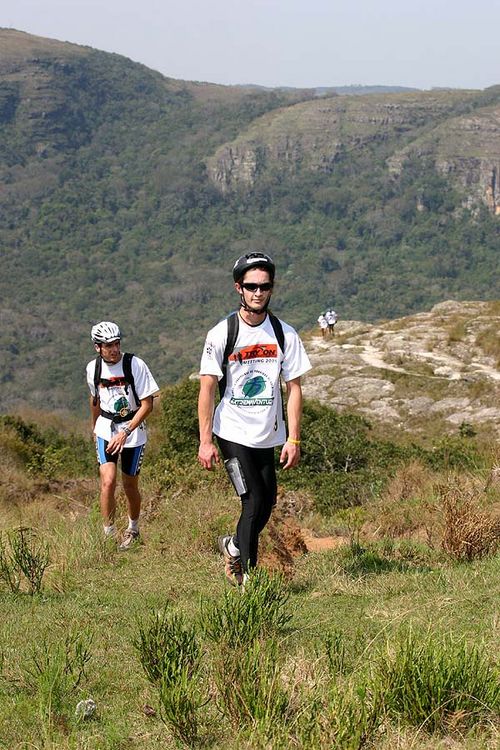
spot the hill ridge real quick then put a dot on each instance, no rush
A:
(109, 209)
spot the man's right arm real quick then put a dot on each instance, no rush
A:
(208, 453)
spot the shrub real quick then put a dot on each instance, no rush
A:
(45, 451)
(180, 419)
(22, 555)
(171, 657)
(249, 685)
(165, 645)
(341, 717)
(433, 684)
(54, 672)
(243, 616)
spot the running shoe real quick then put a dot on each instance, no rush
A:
(129, 540)
(232, 564)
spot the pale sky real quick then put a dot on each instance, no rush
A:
(420, 43)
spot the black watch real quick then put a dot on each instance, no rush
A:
(127, 431)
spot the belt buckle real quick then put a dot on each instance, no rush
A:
(123, 412)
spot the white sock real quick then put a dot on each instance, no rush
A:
(232, 548)
(110, 530)
(133, 524)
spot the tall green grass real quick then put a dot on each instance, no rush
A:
(437, 683)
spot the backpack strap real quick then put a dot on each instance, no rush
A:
(97, 378)
(233, 326)
(280, 337)
(278, 330)
(127, 372)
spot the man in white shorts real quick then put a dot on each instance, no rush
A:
(323, 324)
(122, 390)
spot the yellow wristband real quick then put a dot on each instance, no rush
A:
(293, 442)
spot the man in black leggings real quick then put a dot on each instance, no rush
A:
(246, 354)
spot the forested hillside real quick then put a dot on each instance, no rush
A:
(126, 195)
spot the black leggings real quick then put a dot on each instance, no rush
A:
(257, 503)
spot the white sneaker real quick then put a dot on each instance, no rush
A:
(130, 539)
(232, 564)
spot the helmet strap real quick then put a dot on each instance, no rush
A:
(244, 305)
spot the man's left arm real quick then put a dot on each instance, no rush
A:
(290, 453)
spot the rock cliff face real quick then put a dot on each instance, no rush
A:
(313, 135)
(427, 373)
(467, 151)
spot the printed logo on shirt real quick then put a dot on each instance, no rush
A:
(255, 351)
(122, 406)
(254, 391)
(116, 381)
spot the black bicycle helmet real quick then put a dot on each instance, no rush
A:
(253, 260)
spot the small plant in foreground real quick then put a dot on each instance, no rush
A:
(21, 554)
(249, 686)
(432, 684)
(341, 718)
(245, 615)
(54, 672)
(165, 646)
(171, 657)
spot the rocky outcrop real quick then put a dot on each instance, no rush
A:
(427, 373)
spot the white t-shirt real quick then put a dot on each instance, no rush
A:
(331, 317)
(322, 321)
(251, 412)
(114, 398)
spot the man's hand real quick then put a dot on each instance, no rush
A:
(208, 455)
(290, 454)
(117, 443)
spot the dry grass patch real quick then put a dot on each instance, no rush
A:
(403, 512)
(469, 533)
(489, 341)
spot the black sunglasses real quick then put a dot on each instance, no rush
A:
(251, 287)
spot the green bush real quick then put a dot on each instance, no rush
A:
(170, 656)
(23, 557)
(250, 688)
(46, 452)
(433, 683)
(243, 616)
(180, 419)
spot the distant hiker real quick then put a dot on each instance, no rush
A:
(323, 324)
(245, 354)
(122, 390)
(331, 319)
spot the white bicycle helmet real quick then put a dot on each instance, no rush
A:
(105, 332)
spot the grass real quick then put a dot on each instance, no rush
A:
(152, 635)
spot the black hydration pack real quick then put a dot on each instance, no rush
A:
(127, 376)
(233, 326)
